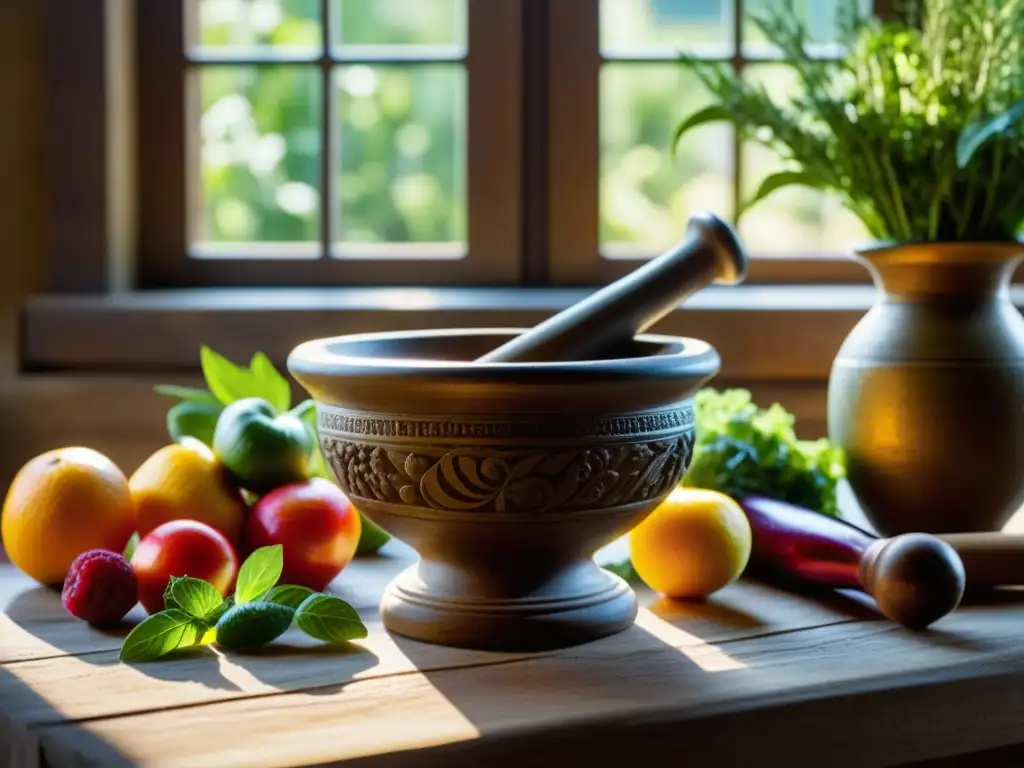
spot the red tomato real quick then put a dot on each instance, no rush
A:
(316, 526)
(182, 548)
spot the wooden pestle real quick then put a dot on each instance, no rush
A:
(709, 252)
(915, 578)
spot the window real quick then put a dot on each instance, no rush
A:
(618, 91)
(347, 142)
(409, 142)
(328, 141)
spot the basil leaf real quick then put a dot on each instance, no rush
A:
(329, 618)
(275, 387)
(160, 634)
(227, 381)
(198, 598)
(259, 573)
(187, 394)
(291, 595)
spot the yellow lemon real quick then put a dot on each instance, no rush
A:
(694, 543)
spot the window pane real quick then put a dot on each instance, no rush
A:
(647, 194)
(820, 17)
(256, 27)
(705, 25)
(793, 221)
(402, 154)
(398, 22)
(259, 157)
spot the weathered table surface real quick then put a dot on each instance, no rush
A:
(754, 676)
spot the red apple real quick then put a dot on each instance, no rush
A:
(316, 526)
(182, 548)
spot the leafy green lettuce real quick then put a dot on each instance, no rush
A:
(742, 448)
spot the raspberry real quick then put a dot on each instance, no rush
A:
(100, 587)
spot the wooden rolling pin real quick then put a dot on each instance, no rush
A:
(915, 578)
(597, 326)
(990, 559)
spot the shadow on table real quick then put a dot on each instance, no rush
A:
(39, 613)
(21, 747)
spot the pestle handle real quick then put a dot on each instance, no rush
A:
(709, 252)
(991, 559)
(915, 578)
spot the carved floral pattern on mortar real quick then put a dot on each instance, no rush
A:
(483, 478)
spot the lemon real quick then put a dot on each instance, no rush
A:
(694, 543)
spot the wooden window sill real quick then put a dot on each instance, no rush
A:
(761, 332)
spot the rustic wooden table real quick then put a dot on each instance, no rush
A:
(755, 676)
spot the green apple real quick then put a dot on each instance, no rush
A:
(261, 448)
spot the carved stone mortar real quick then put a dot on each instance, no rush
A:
(506, 478)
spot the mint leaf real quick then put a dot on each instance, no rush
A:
(291, 595)
(259, 573)
(187, 394)
(160, 634)
(329, 618)
(276, 389)
(198, 598)
(252, 625)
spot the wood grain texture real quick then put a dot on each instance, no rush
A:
(55, 670)
(751, 657)
(633, 693)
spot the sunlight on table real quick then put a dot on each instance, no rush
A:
(708, 657)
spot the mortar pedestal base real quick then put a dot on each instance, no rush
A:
(581, 603)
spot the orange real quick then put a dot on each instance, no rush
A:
(694, 543)
(186, 481)
(62, 503)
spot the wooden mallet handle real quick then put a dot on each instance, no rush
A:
(915, 578)
(598, 325)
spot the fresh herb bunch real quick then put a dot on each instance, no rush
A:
(917, 127)
(742, 448)
(257, 613)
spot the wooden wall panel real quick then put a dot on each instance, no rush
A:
(21, 167)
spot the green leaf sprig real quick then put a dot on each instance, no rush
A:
(259, 612)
